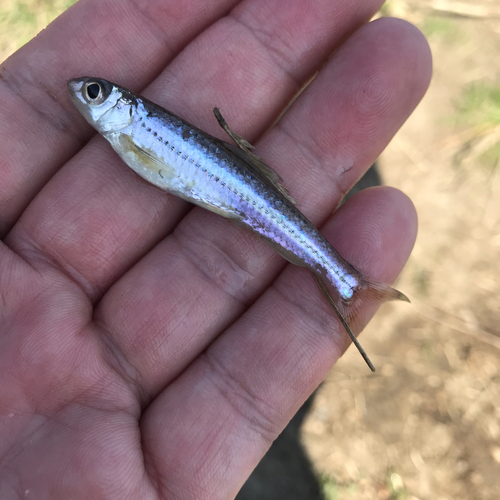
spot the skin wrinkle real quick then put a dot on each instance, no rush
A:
(151, 20)
(39, 259)
(127, 8)
(101, 416)
(234, 392)
(16, 185)
(205, 271)
(152, 473)
(308, 54)
(15, 260)
(311, 149)
(79, 400)
(318, 312)
(196, 259)
(8, 454)
(187, 491)
(287, 68)
(201, 115)
(3, 303)
(64, 124)
(57, 259)
(43, 289)
(116, 360)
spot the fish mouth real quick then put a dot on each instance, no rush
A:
(75, 85)
(75, 88)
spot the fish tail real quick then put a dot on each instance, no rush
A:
(379, 291)
(348, 312)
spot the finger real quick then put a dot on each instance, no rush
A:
(105, 218)
(175, 301)
(272, 48)
(233, 401)
(116, 39)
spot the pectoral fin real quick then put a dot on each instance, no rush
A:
(146, 158)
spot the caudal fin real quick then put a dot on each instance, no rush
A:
(348, 312)
(380, 291)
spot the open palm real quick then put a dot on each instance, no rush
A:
(148, 349)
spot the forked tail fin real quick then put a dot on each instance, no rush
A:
(368, 288)
(380, 291)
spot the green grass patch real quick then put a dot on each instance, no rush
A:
(387, 10)
(478, 110)
(396, 488)
(421, 280)
(441, 27)
(333, 490)
(21, 20)
(491, 157)
(428, 350)
(479, 105)
(330, 488)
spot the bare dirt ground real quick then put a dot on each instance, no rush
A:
(427, 424)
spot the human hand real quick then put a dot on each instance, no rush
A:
(154, 350)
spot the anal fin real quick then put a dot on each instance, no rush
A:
(343, 320)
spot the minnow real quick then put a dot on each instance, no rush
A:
(227, 179)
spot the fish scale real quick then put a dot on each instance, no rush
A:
(205, 173)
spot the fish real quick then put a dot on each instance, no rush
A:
(227, 179)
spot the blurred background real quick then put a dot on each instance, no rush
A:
(427, 424)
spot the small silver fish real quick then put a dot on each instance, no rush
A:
(226, 179)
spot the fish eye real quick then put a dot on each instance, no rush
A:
(93, 90)
(93, 93)
(96, 92)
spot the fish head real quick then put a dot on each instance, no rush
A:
(106, 106)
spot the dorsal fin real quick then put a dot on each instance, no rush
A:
(255, 163)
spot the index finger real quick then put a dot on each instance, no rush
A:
(40, 128)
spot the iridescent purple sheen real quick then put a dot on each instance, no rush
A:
(211, 176)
